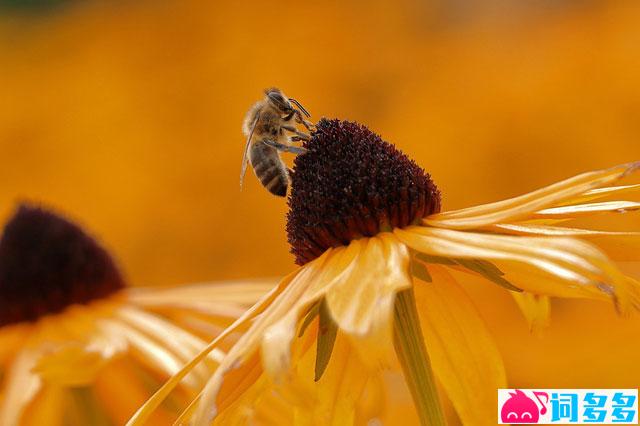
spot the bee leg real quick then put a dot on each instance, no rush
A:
(300, 119)
(299, 135)
(309, 125)
(284, 148)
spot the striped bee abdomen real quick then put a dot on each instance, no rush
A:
(269, 168)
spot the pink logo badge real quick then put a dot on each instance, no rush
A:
(519, 408)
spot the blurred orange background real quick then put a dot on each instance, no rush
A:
(126, 116)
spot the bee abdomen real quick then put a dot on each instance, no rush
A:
(277, 185)
(269, 168)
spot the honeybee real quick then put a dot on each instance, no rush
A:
(270, 127)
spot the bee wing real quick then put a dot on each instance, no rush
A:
(245, 159)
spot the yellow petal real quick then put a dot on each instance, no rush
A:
(147, 409)
(77, 349)
(82, 325)
(237, 380)
(183, 344)
(362, 302)
(634, 289)
(520, 207)
(359, 283)
(292, 289)
(21, 387)
(342, 274)
(374, 401)
(47, 408)
(571, 268)
(108, 386)
(226, 299)
(463, 354)
(310, 285)
(599, 193)
(535, 308)
(335, 399)
(11, 340)
(84, 408)
(340, 388)
(185, 417)
(70, 365)
(580, 210)
(147, 351)
(621, 246)
(264, 401)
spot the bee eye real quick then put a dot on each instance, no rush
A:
(278, 100)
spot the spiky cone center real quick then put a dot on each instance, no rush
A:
(48, 263)
(352, 184)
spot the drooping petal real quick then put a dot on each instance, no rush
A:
(299, 399)
(572, 268)
(535, 308)
(313, 283)
(148, 351)
(108, 386)
(21, 387)
(70, 365)
(520, 207)
(183, 344)
(237, 382)
(265, 401)
(247, 408)
(77, 347)
(149, 407)
(82, 325)
(634, 289)
(336, 395)
(344, 393)
(463, 354)
(374, 403)
(84, 408)
(46, 409)
(11, 340)
(234, 364)
(359, 283)
(185, 417)
(621, 246)
(362, 303)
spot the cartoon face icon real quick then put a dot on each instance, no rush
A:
(519, 408)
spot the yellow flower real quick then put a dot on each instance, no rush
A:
(378, 263)
(79, 347)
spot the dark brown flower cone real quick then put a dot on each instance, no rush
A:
(352, 184)
(48, 263)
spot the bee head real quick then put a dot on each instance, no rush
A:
(278, 100)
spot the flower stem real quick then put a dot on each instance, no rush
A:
(413, 356)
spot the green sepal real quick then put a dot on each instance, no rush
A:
(327, 332)
(438, 260)
(489, 271)
(420, 271)
(312, 313)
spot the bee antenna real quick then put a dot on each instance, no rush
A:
(299, 105)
